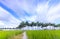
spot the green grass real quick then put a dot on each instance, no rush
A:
(43, 34)
(7, 34)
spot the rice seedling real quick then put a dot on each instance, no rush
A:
(7, 34)
(43, 34)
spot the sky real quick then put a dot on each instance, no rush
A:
(12, 12)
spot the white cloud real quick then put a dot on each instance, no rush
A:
(7, 20)
(53, 13)
(40, 8)
(1, 23)
(31, 18)
(41, 11)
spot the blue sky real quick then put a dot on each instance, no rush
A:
(15, 11)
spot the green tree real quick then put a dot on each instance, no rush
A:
(27, 23)
(58, 25)
(32, 24)
(22, 24)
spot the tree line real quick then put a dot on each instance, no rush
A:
(24, 24)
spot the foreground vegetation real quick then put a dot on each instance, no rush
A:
(43, 34)
(8, 34)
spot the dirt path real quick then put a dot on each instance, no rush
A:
(20, 36)
(24, 35)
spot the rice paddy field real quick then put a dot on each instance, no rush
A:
(6, 34)
(43, 34)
